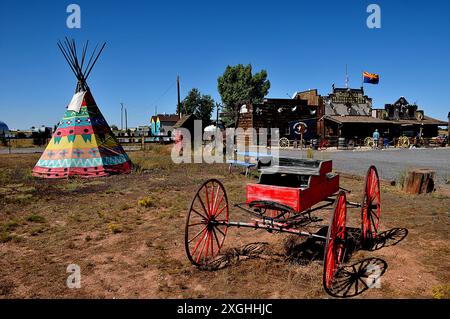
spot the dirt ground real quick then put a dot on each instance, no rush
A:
(127, 235)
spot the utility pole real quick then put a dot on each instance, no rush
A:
(126, 120)
(9, 141)
(178, 91)
(217, 114)
(121, 116)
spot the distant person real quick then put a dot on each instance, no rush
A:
(386, 142)
(417, 139)
(376, 137)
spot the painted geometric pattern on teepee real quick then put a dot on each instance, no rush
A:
(83, 144)
(83, 162)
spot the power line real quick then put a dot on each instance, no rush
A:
(165, 92)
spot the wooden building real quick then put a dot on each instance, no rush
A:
(279, 113)
(353, 127)
(163, 124)
(344, 113)
(315, 100)
(186, 122)
(407, 119)
(348, 113)
(348, 102)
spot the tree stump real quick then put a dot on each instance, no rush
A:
(419, 180)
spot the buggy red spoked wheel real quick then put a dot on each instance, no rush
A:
(371, 206)
(204, 236)
(335, 244)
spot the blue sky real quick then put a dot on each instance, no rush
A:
(302, 45)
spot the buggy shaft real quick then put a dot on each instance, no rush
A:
(269, 226)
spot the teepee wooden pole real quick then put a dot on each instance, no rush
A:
(67, 59)
(90, 59)
(84, 54)
(95, 61)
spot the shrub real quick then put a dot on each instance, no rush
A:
(73, 185)
(102, 215)
(37, 230)
(441, 292)
(124, 207)
(19, 199)
(26, 189)
(137, 167)
(401, 179)
(5, 229)
(5, 237)
(145, 202)
(35, 218)
(115, 228)
(11, 225)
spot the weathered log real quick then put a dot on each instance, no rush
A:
(419, 180)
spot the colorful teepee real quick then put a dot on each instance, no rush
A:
(83, 144)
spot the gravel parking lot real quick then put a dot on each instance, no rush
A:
(390, 162)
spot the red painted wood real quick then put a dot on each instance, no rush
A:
(326, 167)
(283, 195)
(313, 195)
(299, 199)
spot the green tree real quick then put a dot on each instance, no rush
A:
(200, 105)
(237, 86)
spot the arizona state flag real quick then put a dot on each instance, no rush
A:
(371, 78)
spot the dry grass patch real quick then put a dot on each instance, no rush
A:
(141, 246)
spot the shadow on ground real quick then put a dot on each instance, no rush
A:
(351, 279)
(233, 256)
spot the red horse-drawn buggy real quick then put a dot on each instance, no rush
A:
(286, 195)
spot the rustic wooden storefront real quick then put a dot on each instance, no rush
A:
(274, 113)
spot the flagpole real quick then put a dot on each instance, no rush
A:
(346, 76)
(362, 79)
